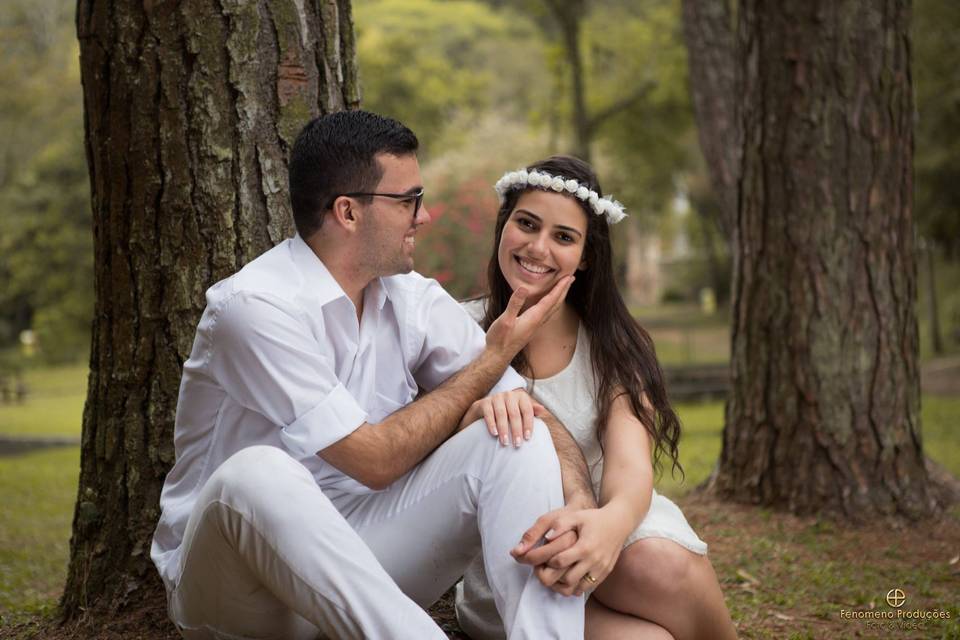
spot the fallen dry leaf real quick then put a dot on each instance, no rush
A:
(747, 577)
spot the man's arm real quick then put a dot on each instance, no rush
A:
(377, 454)
(509, 416)
(577, 487)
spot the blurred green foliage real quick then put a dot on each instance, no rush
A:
(936, 48)
(439, 66)
(486, 86)
(46, 243)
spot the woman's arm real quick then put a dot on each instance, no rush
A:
(627, 484)
(626, 491)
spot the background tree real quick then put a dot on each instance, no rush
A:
(189, 111)
(937, 27)
(936, 47)
(708, 33)
(824, 411)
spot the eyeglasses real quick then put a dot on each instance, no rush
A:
(416, 197)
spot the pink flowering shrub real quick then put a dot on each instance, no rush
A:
(455, 246)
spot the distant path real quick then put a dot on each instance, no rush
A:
(12, 445)
(941, 376)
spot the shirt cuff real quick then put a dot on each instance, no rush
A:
(511, 380)
(335, 418)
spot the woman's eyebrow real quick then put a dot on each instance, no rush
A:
(570, 229)
(539, 219)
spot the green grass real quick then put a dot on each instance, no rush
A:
(940, 420)
(38, 491)
(61, 380)
(54, 404)
(699, 447)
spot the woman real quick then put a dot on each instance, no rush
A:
(594, 368)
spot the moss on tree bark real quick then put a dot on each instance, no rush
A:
(190, 110)
(824, 413)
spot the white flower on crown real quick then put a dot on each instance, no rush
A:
(608, 207)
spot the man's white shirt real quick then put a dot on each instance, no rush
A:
(280, 359)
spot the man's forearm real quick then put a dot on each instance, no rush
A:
(411, 433)
(575, 476)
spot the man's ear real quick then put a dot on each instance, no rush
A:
(344, 211)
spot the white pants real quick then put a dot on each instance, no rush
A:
(268, 554)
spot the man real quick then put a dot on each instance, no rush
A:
(310, 494)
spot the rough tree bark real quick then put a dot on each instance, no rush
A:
(824, 412)
(708, 33)
(190, 109)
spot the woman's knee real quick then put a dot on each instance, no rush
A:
(657, 565)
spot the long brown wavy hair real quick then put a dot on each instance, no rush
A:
(621, 351)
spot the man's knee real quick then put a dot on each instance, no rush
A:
(541, 442)
(255, 469)
(541, 431)
(536, 455)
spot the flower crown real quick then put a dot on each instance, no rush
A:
(609, 207)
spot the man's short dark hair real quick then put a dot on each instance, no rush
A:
(334, 155)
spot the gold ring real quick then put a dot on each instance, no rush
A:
(589, 578)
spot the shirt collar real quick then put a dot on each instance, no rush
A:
(322, 284)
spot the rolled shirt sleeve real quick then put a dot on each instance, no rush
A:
(452, 341)
(267, 359)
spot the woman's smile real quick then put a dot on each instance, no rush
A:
(542, 241)
(534, 269)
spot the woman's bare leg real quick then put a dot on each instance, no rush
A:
(607, 624)
(660, 581)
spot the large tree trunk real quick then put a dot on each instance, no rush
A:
(824, 412)
(708, 33)
(190, 109)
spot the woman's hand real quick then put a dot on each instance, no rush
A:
(599, 539)
(508, 415)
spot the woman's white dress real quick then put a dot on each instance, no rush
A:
(569, 396)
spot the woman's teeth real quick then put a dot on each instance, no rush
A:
(533, 268)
